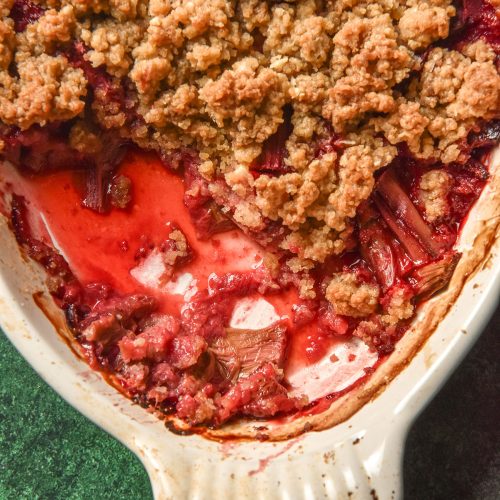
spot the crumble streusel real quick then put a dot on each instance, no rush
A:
(218, 76)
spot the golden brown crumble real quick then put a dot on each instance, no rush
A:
(112, 42)
(400, 307)
(218, 75)
(434, 186)
(7, 42)
(180, 247)
(350, 297)
(84, 139)
(451, 93)
(423, 24)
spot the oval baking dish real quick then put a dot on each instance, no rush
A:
(360, 447)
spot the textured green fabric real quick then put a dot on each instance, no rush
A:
(49, 451)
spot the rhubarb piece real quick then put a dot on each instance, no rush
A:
(24, 12)
(403, 217)
(381, 250)
(96, 189)
(411, 244)
(330, 322)
(272, 159)
(210, 220)
(377, 251)
(205, 214)
(100, 176)
(433, 277)
(488, 136)
(241, 352)
(260, 395)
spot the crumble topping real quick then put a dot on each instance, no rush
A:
(434, 187)
(111, 43)
(425, 23)
(452, 91)
(350, 297)
(398, 306)
(218, 76)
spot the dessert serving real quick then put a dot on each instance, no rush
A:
(240, 206)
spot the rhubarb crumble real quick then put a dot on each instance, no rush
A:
(258, 186)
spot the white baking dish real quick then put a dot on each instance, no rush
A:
(357, 458)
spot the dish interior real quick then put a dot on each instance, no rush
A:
(248, 239)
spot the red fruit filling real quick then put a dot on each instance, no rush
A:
(475, 19)
(205, 213)
(24, 12)
(39, 149)
(194, 363)
(189, 359)
(272, 159)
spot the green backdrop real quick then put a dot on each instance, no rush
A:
(49, 451)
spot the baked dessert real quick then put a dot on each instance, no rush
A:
(241, 205)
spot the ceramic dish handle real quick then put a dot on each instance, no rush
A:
(366, 466)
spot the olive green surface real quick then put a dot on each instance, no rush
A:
(49, 451)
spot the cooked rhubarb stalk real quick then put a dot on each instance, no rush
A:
(205, 214)
(403, 214)
(242, 351)
(415, 251)
(377, 251)
(272, 159)
(379, 248)
(99, 175)
(96, 189)
(429, 279)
